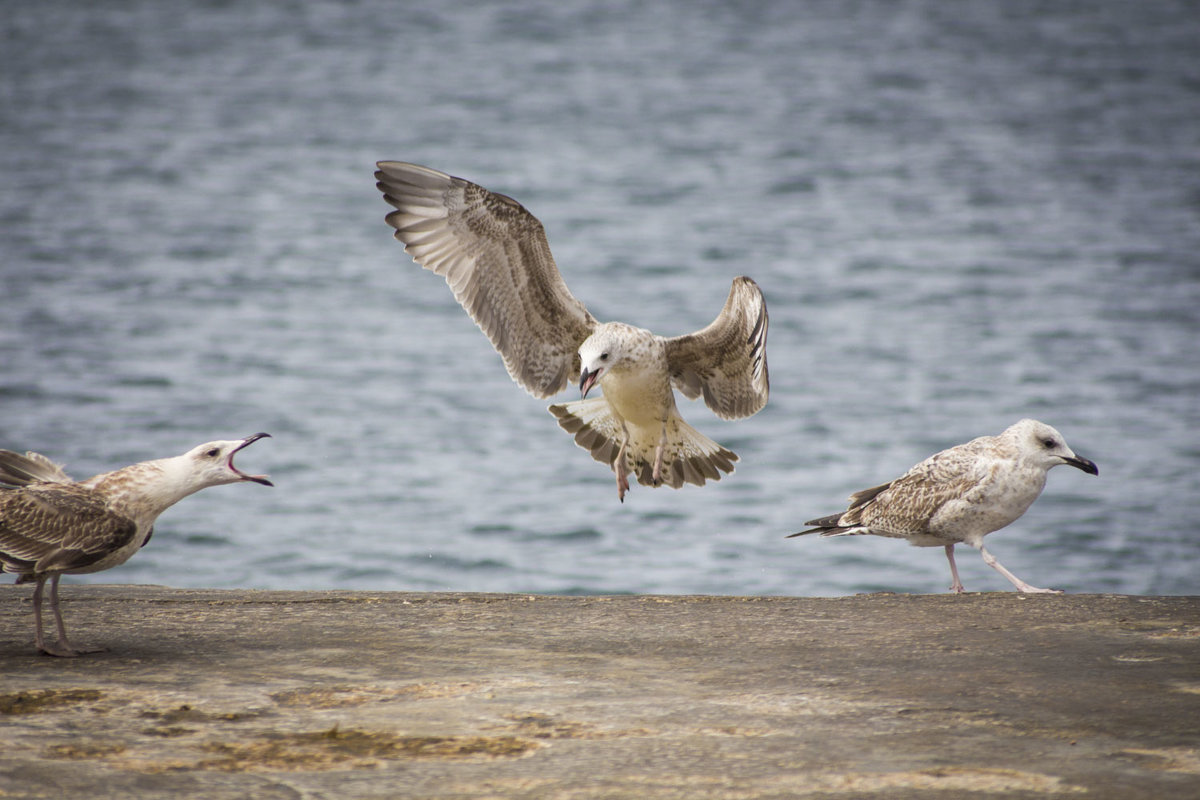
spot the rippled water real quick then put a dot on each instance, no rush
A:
(961, 214)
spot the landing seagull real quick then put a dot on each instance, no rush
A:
(51, 525)
(961, 495)
(494, 255)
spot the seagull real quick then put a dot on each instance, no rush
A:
(51, 525)
(961, 495)
(495, 257)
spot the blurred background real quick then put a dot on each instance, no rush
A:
(961, 214)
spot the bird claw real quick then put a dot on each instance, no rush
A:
(60, 652)
(64, 650)
(622, 480)
(656, 478)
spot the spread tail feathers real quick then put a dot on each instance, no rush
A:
(22, 470)
(688, 456)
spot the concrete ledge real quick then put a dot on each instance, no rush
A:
(233, 694)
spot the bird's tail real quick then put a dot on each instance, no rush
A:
(22, 470)
(826, 526)
(847, 522)
(688, 456)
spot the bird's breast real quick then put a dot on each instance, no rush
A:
(640, 397)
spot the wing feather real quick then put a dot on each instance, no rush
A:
(910, 503)
(727, 361)
(22, 470)
(494, 256)
(57, 527)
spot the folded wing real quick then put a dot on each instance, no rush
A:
(909, 504)
(50, 527)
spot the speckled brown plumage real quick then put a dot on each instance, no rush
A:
(960, 494)
(51, 525)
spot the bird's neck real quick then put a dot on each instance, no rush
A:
(143, 491)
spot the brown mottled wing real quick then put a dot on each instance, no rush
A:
(55, 527)
(495, 258)
(727, 361)
(908, 504)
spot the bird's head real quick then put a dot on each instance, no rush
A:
(1046, 446)
(598, 354)
(211, 463)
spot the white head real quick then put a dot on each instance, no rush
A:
(598, 354)
(1045, 446)
(172, 479)
(211, 463)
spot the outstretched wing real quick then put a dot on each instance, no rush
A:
(727, 361)
(51, 527)
(495, 258)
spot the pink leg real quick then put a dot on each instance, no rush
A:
(957, 586)
(658, 456)
(63, 647)
(621, 467)
(37, 613)
(1021, 585)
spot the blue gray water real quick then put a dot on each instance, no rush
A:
(961, 214)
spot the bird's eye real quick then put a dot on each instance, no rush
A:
(604, 356)
(1049, 443)
(213, 453)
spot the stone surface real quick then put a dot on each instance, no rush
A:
(233, 694)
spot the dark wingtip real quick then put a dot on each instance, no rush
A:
(802, 533)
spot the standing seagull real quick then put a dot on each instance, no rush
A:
(495, 257)
(50, 525)
(961, 495)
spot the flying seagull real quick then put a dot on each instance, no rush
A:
(494, 255)
(51, 525)
(960, 495)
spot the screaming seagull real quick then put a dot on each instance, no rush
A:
(51, 525)
(960, 495)
(495, 257)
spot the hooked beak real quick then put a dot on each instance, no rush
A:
(249, 440)
(587, 380)
(1087, 465)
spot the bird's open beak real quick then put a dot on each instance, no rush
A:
(1084, 464)
(587, 380)
(249, 440)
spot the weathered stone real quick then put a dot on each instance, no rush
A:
(232, 694)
